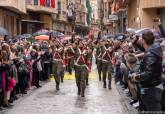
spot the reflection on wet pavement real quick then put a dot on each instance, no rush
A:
(49, 101)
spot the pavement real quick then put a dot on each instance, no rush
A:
(47, 100)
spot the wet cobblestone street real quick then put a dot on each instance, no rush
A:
(47, 100)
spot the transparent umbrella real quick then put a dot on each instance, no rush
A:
(3, 31)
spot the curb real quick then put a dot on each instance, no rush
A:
(125, 101)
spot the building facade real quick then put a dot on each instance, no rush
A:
(95, 20)
(10, 15)
(141, 13)
(81, 26)
(38, 16)
(60, 22)
(29, 16)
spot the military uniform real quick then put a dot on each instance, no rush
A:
(98, 60)
(89, 58)
(58, 69)
(70, 58)
(80, 70)
(107, 68)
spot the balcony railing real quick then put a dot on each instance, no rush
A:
(36, 5)
(18, 6)
(152, 3)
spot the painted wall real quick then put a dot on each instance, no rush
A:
(146, 14)
(16, 5)
(48, 23)
(147, 18)
(132, 14)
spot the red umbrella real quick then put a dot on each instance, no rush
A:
(42, 37)
(65, 38)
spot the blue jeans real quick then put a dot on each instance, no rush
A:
(152, 98)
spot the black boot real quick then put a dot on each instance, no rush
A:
(70, 72)
(62, 80)
(104, 85)
(82, 93)
(87, 82)
(99, 78)
(109, 86)
(79, 91)
(57, 87)
(38, 86)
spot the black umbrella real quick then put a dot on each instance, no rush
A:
(56, 34)
(120, 36)
(26, 36)
(3, 31)
(41, 33)
(108, 36)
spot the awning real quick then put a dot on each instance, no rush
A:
(32, 21)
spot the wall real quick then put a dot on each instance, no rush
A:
(132, 14)
(147, 17)
(16, 5)
(10, 21)
(153, 3)
(48, 22)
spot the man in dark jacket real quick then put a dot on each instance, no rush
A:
(150, 73)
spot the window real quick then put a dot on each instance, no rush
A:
(35, 2)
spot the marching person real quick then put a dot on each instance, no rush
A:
(106, 63)
(98, 59)
(81, 68)
(58, 64)
(89, 58)
(70, 57)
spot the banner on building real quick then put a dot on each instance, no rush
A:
(42, 2)
(53, 3)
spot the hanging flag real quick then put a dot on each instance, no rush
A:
(53, 3)
(48, 3)
(42, 2)
(117, 5)
(89, 10)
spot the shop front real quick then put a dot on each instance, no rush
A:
(81, 30)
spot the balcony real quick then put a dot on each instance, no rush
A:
(152, 3)
(34, 5)
(18, 6)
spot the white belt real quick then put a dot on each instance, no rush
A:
(57, 59)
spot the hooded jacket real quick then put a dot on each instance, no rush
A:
(150, 68)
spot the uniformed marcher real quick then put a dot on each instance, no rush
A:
(70, 58)
(58, 69)
(81, 68)
(89, 58)
(98, 59)
(107, 68)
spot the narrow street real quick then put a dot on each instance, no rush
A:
(47, 100)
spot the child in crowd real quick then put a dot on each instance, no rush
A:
(131, 61)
